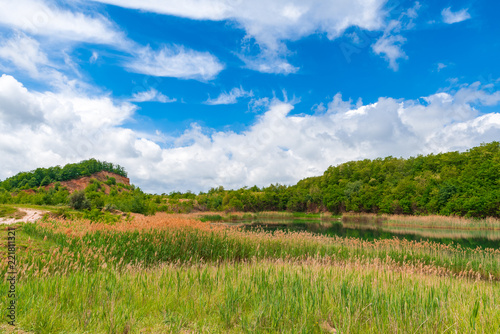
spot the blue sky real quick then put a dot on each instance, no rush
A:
(194, 94)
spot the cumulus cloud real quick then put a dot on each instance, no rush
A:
(151, 95)
(43, 129)
(271, 23)
(229, 98)
(450, 17)
(176, 62)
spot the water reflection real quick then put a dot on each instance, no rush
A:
(378, 230)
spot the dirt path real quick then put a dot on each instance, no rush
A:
(31, 216)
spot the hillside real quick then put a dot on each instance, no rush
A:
(45, 176)
(97, 185)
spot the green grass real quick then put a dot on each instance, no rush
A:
(7, 211)
(258, 297)
(24, 242)
(211, 218)
(36, 207)
(227, 218)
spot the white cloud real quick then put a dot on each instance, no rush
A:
(268, 62)
(389, 46)
(37, 17)
(176, 62)
(43, 23)
(94, 57)
(441, 66)
(43, 34)
(270, 23)
(231, 97)
(455, 17)
(24, 53)
(45, 129)
(151, 95)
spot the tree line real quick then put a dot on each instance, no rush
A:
(454, 183)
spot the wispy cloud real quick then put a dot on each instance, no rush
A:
(455, 17)
(229, 98)
(177, 62)
(47, 32)
(39, 18)
(151, 95)
(94, 57)
(441, 66)
(24, 53)
(390, 44)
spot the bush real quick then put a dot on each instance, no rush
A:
(97, 216)
(110, 181)
(79, 201)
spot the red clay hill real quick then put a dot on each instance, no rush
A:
(82, 182)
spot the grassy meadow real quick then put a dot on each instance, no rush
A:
(176, 274)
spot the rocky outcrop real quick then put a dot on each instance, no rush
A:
(82, 182)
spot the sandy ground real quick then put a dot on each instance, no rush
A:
(31, 216)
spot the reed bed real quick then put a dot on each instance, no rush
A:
(307, 296)
(434, 221)
(119, 246)
(450, 234)
(430, 221)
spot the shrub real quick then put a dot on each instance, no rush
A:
(110, 181)
(79, 201)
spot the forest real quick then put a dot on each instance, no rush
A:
(454, 183)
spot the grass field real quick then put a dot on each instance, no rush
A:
(9, 212)
(174, 274)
